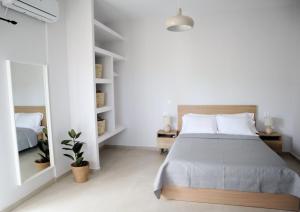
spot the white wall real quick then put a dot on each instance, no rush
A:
(28, 85)
(27, 42)
(236, 57)
(59, 88)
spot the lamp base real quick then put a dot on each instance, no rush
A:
(167, 128)
(269, 130)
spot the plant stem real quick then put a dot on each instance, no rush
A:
(74, 153)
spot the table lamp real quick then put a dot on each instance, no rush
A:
(269, 124)
(167, 123)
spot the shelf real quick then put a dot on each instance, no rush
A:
(103, 52)
(105, 33)
(103, 109)
(103, 81)
(110, 134)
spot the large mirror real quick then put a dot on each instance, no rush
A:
(31, 120)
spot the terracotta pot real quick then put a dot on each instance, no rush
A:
(41, 166)
(81, 174)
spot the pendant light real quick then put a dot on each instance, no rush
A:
(179, 23)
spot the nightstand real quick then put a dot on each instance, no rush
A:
(273, 140)
(165, 139)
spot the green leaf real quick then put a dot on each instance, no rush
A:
(44, 148)
(79, 161)
(45, 131)
(72, 133)
(79, 154)
(67, 148)
(44, 158)
(66, 142)
(77, 147)
(78, 135)
(69, 156)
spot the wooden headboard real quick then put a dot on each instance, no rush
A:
(33, 109)
(213, 109)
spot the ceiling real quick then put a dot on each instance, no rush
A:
(165, 8)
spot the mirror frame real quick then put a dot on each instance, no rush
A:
(20, 181)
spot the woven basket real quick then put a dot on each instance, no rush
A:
(100, 100)
(99, 70)
(101, 127)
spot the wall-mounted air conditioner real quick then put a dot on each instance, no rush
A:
(44, 10)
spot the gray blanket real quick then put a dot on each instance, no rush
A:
(27, 138)
(228, 162)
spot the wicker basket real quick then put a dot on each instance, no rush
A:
(101, 127)
(100, 99)
(99, 70)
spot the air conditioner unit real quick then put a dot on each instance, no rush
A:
(44, 10)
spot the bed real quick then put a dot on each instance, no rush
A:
(226, 169)
(30, 120)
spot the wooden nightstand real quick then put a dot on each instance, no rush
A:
(273, 140)
(165, 139)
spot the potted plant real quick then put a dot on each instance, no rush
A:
(80, 167)
(43, 146)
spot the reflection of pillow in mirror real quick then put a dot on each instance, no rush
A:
(29, 120)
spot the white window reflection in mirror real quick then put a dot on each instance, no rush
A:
(29, 99)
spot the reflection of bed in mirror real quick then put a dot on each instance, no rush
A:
(30, 120)
(29, 103)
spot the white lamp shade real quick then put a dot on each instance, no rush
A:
(167, 120)
(179, 23)
(268, 121)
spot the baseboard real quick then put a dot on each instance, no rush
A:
(37, 191)
(63, 175)
(147, 148)
(29, 196)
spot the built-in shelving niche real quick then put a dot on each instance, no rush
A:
(110, 60)
(107, 39)
(104, 49)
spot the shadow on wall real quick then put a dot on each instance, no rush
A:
(287, 143)
(278, 123)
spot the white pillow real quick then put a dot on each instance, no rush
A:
(198, 123)
(29, 120)
(250, 116)
(234, 125)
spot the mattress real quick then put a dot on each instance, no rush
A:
(227, 162)
(26, 138)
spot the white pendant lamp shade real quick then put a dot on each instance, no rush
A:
(179, 23)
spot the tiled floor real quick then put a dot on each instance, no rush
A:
(27, 159)
(123, 185)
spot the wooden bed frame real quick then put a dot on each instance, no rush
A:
(226, 197)
(34, 109)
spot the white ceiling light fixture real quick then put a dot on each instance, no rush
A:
(179, 23)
